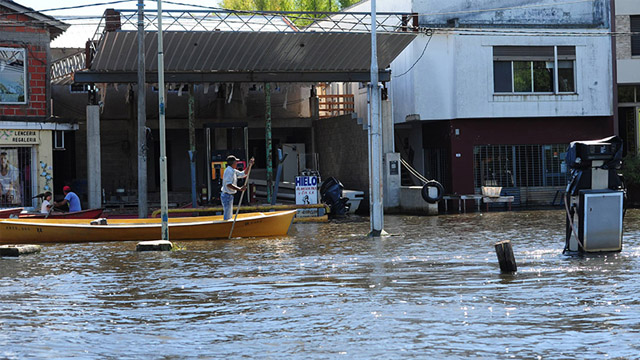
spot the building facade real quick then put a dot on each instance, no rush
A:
(27, 130)
(627, 25)
(492, 95)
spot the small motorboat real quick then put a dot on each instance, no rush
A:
(7, 213)
(83, 214)
(33, 230)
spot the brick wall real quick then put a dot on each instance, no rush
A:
(21, 32)
(342, 147)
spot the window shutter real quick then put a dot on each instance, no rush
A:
(566, 52)
(533, 53)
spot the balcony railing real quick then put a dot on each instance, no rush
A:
(335, 105)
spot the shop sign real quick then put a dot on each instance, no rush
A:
(19, 137)
(306, 194)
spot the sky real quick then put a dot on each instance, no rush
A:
(82, 29)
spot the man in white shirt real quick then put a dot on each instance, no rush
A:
(230, 183)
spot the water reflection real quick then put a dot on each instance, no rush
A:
(432, 289)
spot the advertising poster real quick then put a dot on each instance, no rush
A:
(12, 76)
(10, 187)
(306, 193)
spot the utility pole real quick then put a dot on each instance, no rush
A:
(164, 201)
(143, 209)
(376, 211)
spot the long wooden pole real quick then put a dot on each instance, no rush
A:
(246, 183)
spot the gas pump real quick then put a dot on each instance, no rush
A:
(224, 139)
(594, 198)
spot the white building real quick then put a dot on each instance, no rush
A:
(492, 92)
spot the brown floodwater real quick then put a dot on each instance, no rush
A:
(432, 289)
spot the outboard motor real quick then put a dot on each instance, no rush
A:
(594, 198)
(331, 193)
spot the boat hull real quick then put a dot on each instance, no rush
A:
(6, 213)
(34, 231)
(83, 214)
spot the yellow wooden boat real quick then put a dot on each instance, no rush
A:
(33, 231)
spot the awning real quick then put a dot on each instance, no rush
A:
(220, 56)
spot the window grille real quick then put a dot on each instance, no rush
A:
(520, 165)
(15, 176)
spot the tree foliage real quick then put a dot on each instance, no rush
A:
(288, 5)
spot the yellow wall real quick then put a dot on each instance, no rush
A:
(44, 155)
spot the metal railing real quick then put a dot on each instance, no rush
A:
(253, 21)
(68, 65)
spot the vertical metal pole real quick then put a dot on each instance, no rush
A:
(192, 145)
(375, 149)
(164, 202)
(267, 115)
(246, 154)
(208, 157)
(143, 209)
(94, 172)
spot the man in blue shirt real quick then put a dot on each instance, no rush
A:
(70, 198)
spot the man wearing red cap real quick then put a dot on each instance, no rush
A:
(70, 198)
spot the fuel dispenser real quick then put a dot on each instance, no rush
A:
(224, 139)
(594, 198)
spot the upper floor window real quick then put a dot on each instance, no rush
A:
(635, 35)
(534, 69)
(13, 74)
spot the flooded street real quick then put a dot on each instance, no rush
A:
(432, 289)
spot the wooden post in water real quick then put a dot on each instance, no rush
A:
(505, 256)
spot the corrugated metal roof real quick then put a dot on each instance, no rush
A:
(220, 51)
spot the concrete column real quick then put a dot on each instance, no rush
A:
(94, 172)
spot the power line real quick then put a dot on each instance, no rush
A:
(420, 57)
(64, 8)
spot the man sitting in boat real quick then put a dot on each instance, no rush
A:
(69, 198)
(230, 183)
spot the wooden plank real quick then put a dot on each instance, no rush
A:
(17, 250)
(335, 96)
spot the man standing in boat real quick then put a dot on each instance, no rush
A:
(230, 183)
(69, 198)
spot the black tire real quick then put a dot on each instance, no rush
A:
(425, 191)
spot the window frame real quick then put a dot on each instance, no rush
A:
(531, 59)
(24, 77)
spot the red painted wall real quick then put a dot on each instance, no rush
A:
(514, 131)
(37, 64)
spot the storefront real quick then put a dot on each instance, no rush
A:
(26, 166)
